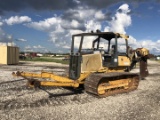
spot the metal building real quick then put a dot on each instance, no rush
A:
(9, 55)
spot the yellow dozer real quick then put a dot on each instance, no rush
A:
(99, 61)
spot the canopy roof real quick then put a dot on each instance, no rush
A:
(105, 35)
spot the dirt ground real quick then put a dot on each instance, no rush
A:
(17, 102)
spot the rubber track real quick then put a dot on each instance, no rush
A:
(92, 82)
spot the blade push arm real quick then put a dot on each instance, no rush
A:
(56, 80)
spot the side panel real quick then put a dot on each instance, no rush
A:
(123, 61)
(91, 62)
(12, 55)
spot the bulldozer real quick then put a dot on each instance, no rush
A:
(100, 62)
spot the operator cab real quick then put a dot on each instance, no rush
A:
(111, 46)
(93, 51)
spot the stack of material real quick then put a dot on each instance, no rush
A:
(9, 55)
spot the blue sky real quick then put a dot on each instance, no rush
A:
(47, 26)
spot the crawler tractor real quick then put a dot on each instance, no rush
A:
(100, 62)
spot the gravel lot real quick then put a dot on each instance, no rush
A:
(17, 102)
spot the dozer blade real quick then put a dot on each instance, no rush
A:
(143, 68)
(106, 84)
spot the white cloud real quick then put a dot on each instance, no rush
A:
(86, 13)
(28, 50)
(158, 41)
(46, 25)
(152, 46)
(77, 1)
(3, 44)
(1, 23)
(125, 8)
(92, 25)
(60, 28)
(106, 29)
(74, 23)
(35, 48)
(17, 20)
(4, 37)
(148, 43)
(65, 46)
(28, 47)
(132, 41)
(72, 32)
(121, 20)
(38, 47)
(99, 15)
(21, 40)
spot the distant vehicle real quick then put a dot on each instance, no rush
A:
(39, 55)
(22, 57)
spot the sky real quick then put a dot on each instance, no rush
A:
(47, 25)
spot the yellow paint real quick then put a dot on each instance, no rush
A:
(143, 51)
(82, 77)
(44, 75)
(113, 85)
(123, 36)
(123, 61)
(59, 84)
(57, 80)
